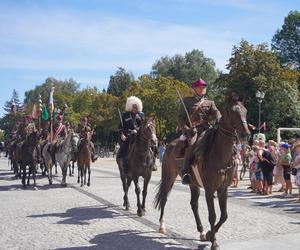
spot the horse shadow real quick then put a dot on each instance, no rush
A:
(128, 240)
(81, 215)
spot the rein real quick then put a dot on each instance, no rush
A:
(228, 133)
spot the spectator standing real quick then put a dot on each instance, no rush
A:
(296, 163)
(285, 161)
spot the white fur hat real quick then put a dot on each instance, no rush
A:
(134, 100)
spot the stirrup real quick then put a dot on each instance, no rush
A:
(186, 179)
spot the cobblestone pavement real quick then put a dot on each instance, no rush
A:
(93, 217)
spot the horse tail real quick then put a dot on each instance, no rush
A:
(168, 177)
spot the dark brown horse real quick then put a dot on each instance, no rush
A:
(213, 168)
(84, 158)
(28, 157)
(140, 163)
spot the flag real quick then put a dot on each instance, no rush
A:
(13, 109)
(51, 101)
(264, 126)
(251, 126)
(45, 115)
(58, 130)
(40, 104)
(34, 113)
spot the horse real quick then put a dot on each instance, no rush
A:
(28, 157)
(140, 163)
(213, 168)
(84, 159)
(64, 153)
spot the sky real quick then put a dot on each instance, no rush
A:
(87, 40)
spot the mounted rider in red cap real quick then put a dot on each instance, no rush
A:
(82, 129)
(193, 117)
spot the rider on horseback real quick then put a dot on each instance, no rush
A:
(130, 124)
(82, 129)
(199, 110)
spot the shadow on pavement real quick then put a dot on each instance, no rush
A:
(81, 215)
(131, 240)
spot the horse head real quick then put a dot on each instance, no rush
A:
(234, 118)
(75, 140)
(148, 130)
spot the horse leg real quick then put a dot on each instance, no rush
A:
(73, 163)
(195, 193)
(33, 176)
(210, 235)
(84, 175)
(78, 170)
(69, 167)
(22, 167)
(137, 192)
(55, 168)
(64, 170)
(81, 175)
(144, 193)
(222, 197)
(89, 172)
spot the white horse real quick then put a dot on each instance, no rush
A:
(64, 153)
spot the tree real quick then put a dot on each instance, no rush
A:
(286, 41)
(119, 82)
(188, 68)
(14, 98)
(253, 68)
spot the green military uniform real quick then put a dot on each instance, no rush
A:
(201, 111)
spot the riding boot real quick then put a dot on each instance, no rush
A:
(188, 159)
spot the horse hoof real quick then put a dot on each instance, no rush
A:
(64, 184)
(162, 231)
(140, 213)
(127, 207)
(81, 185)
(215, 247)
(203, 236)
(50, 182)
(207, 236)
(88, 184)
(35, 188)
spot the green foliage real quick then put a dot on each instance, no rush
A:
(15, 98)
(253, 68)
(119, 82)
(286, 41)
(188, 68)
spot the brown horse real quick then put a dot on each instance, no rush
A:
(28, 157)
(213, 168)
(84, 158)
(140, 163)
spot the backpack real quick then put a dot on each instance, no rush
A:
(270, 158)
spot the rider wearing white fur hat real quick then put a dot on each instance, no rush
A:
(131, 122)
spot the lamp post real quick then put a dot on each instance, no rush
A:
(260, 95)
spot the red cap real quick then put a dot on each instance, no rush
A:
(199, 83)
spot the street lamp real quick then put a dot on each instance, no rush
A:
(260, 95)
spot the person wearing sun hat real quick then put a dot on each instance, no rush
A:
(199, 110)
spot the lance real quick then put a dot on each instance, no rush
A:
(184, 107)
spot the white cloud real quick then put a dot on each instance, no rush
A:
(64, 40)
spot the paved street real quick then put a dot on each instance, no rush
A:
(93, 217)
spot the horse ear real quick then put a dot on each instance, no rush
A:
(232, 98)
